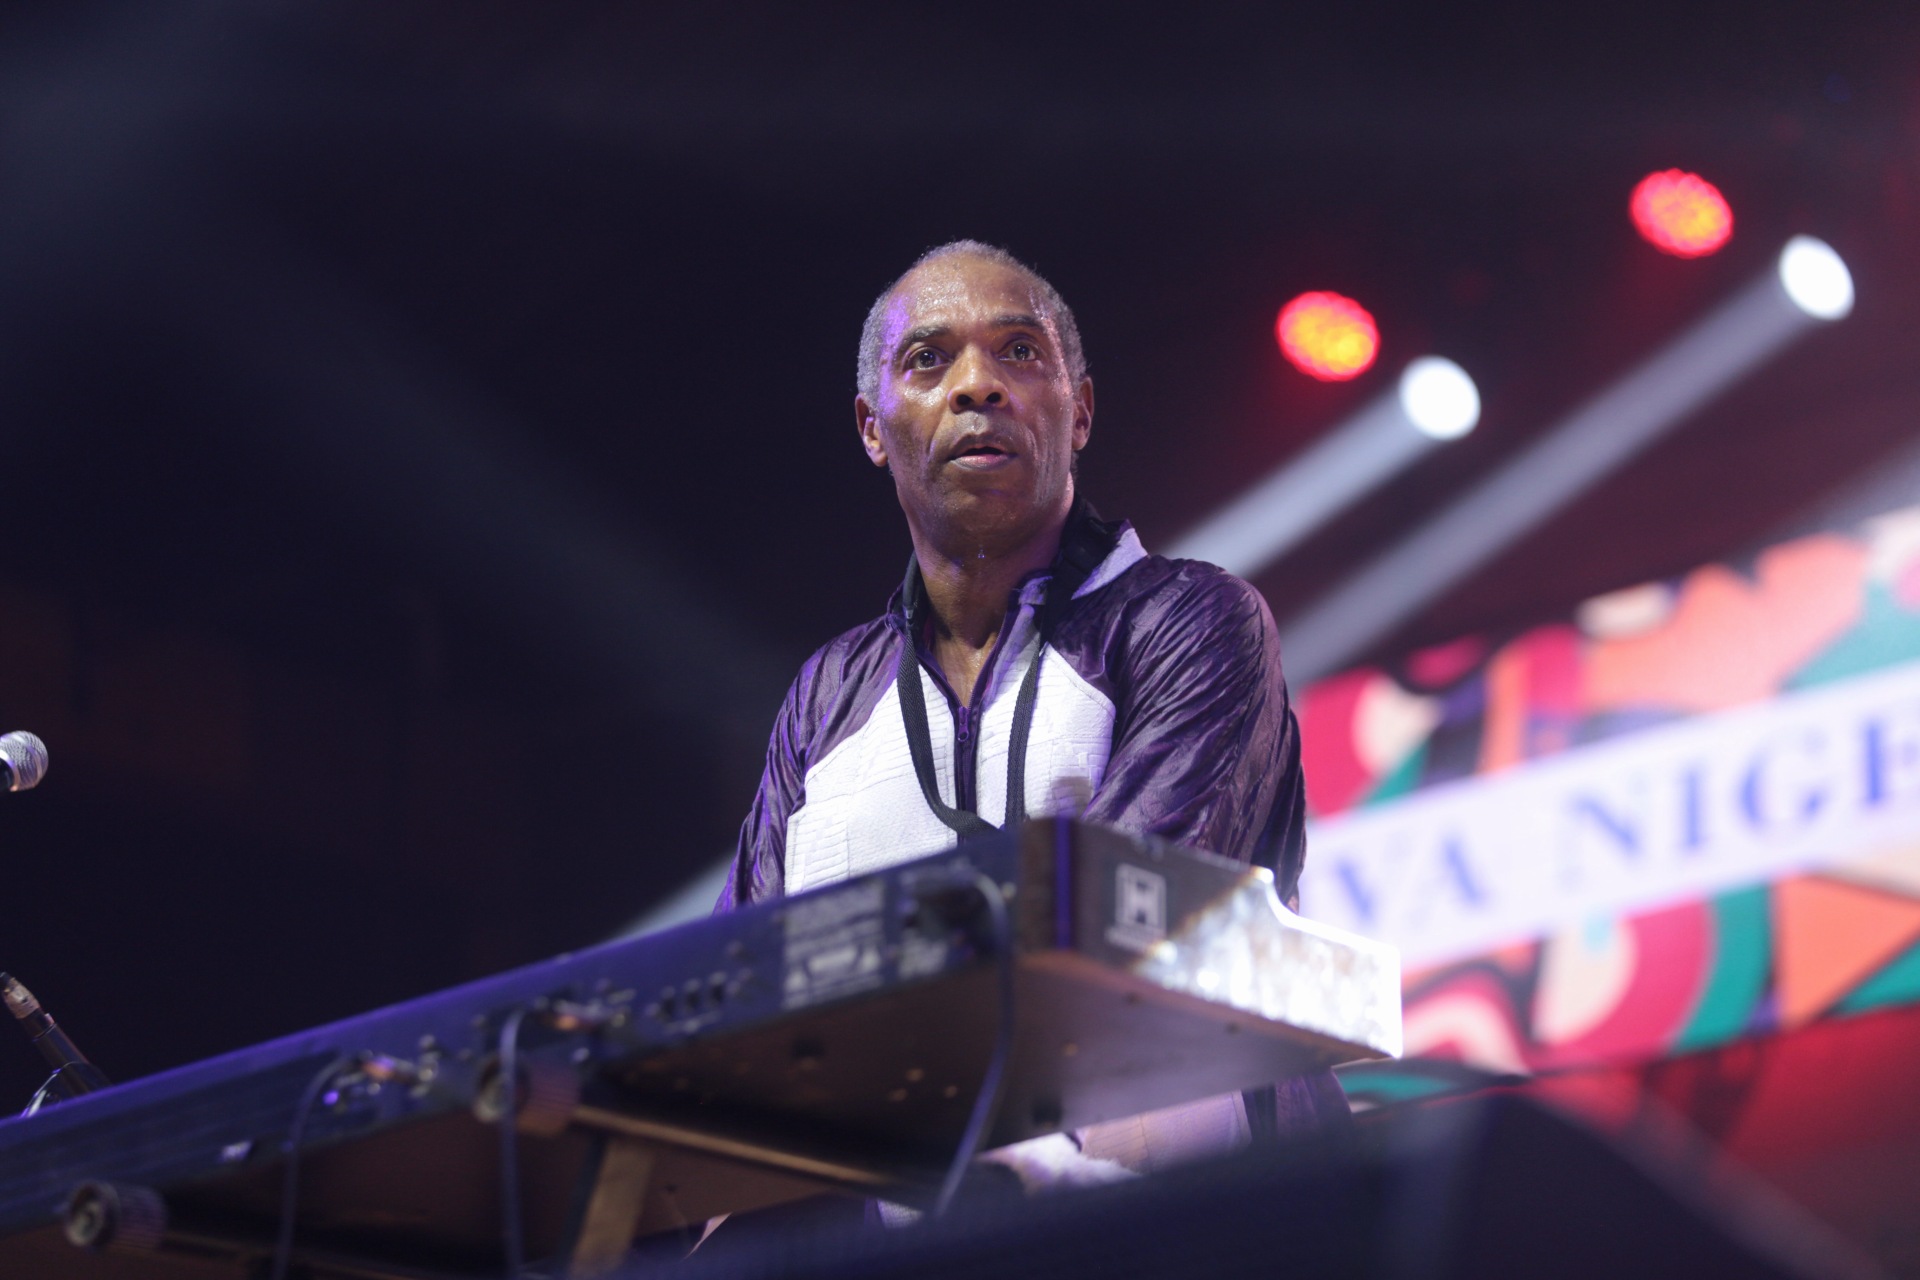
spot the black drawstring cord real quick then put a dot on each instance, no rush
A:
(1084, 543)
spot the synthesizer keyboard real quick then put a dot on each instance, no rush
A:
(833, 1040)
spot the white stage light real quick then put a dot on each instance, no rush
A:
(1439, 398)
(1815, 278)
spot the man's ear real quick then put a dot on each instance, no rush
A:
(869, 427)
(1082, 414)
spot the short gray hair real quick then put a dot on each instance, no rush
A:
(1053, 309)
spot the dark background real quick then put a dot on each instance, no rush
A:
(426, 445)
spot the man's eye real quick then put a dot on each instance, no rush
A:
(1023, 351)
(924, 358)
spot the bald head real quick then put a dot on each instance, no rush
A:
(1052, 309)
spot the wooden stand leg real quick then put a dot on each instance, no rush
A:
(613, 1207)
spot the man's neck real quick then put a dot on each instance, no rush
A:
(967, 595)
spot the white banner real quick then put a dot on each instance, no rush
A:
(1661, 815)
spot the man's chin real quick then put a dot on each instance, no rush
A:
(989, 507)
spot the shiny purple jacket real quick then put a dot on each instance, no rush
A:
(1161, 709)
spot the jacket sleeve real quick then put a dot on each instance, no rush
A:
(760, 854)
(1206, 751)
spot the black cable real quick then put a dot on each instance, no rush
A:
(512, 1238)
(290, 1180)
(986, 1103)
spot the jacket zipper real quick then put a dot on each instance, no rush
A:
(966, 742)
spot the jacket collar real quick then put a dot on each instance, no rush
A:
(1086, 541)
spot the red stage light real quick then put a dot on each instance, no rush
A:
(1328, 336)
(1681, 213)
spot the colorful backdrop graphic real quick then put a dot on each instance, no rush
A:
(1760, 958)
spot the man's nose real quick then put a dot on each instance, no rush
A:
(976, 382)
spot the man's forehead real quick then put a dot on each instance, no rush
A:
(949, 287)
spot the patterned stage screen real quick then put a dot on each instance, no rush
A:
(1688, 815)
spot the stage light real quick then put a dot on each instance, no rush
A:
(1434, 401)
(1439, 398)
(1327, 336)
(1681, 213)
(1815, 278)
(1810, 286)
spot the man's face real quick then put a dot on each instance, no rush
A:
(977, 415)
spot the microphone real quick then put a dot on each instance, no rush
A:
(73, 1075)
(23, 760)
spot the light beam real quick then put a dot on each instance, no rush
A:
(1435, 400)
(1808, 286)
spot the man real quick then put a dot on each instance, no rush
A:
(1036, 660)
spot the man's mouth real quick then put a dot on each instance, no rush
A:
(981, 457)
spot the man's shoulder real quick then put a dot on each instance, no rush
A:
(857, 658)
(1156, 588)
(858, 639)
(1160, 614)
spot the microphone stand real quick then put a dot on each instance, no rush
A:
(72, 1074)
